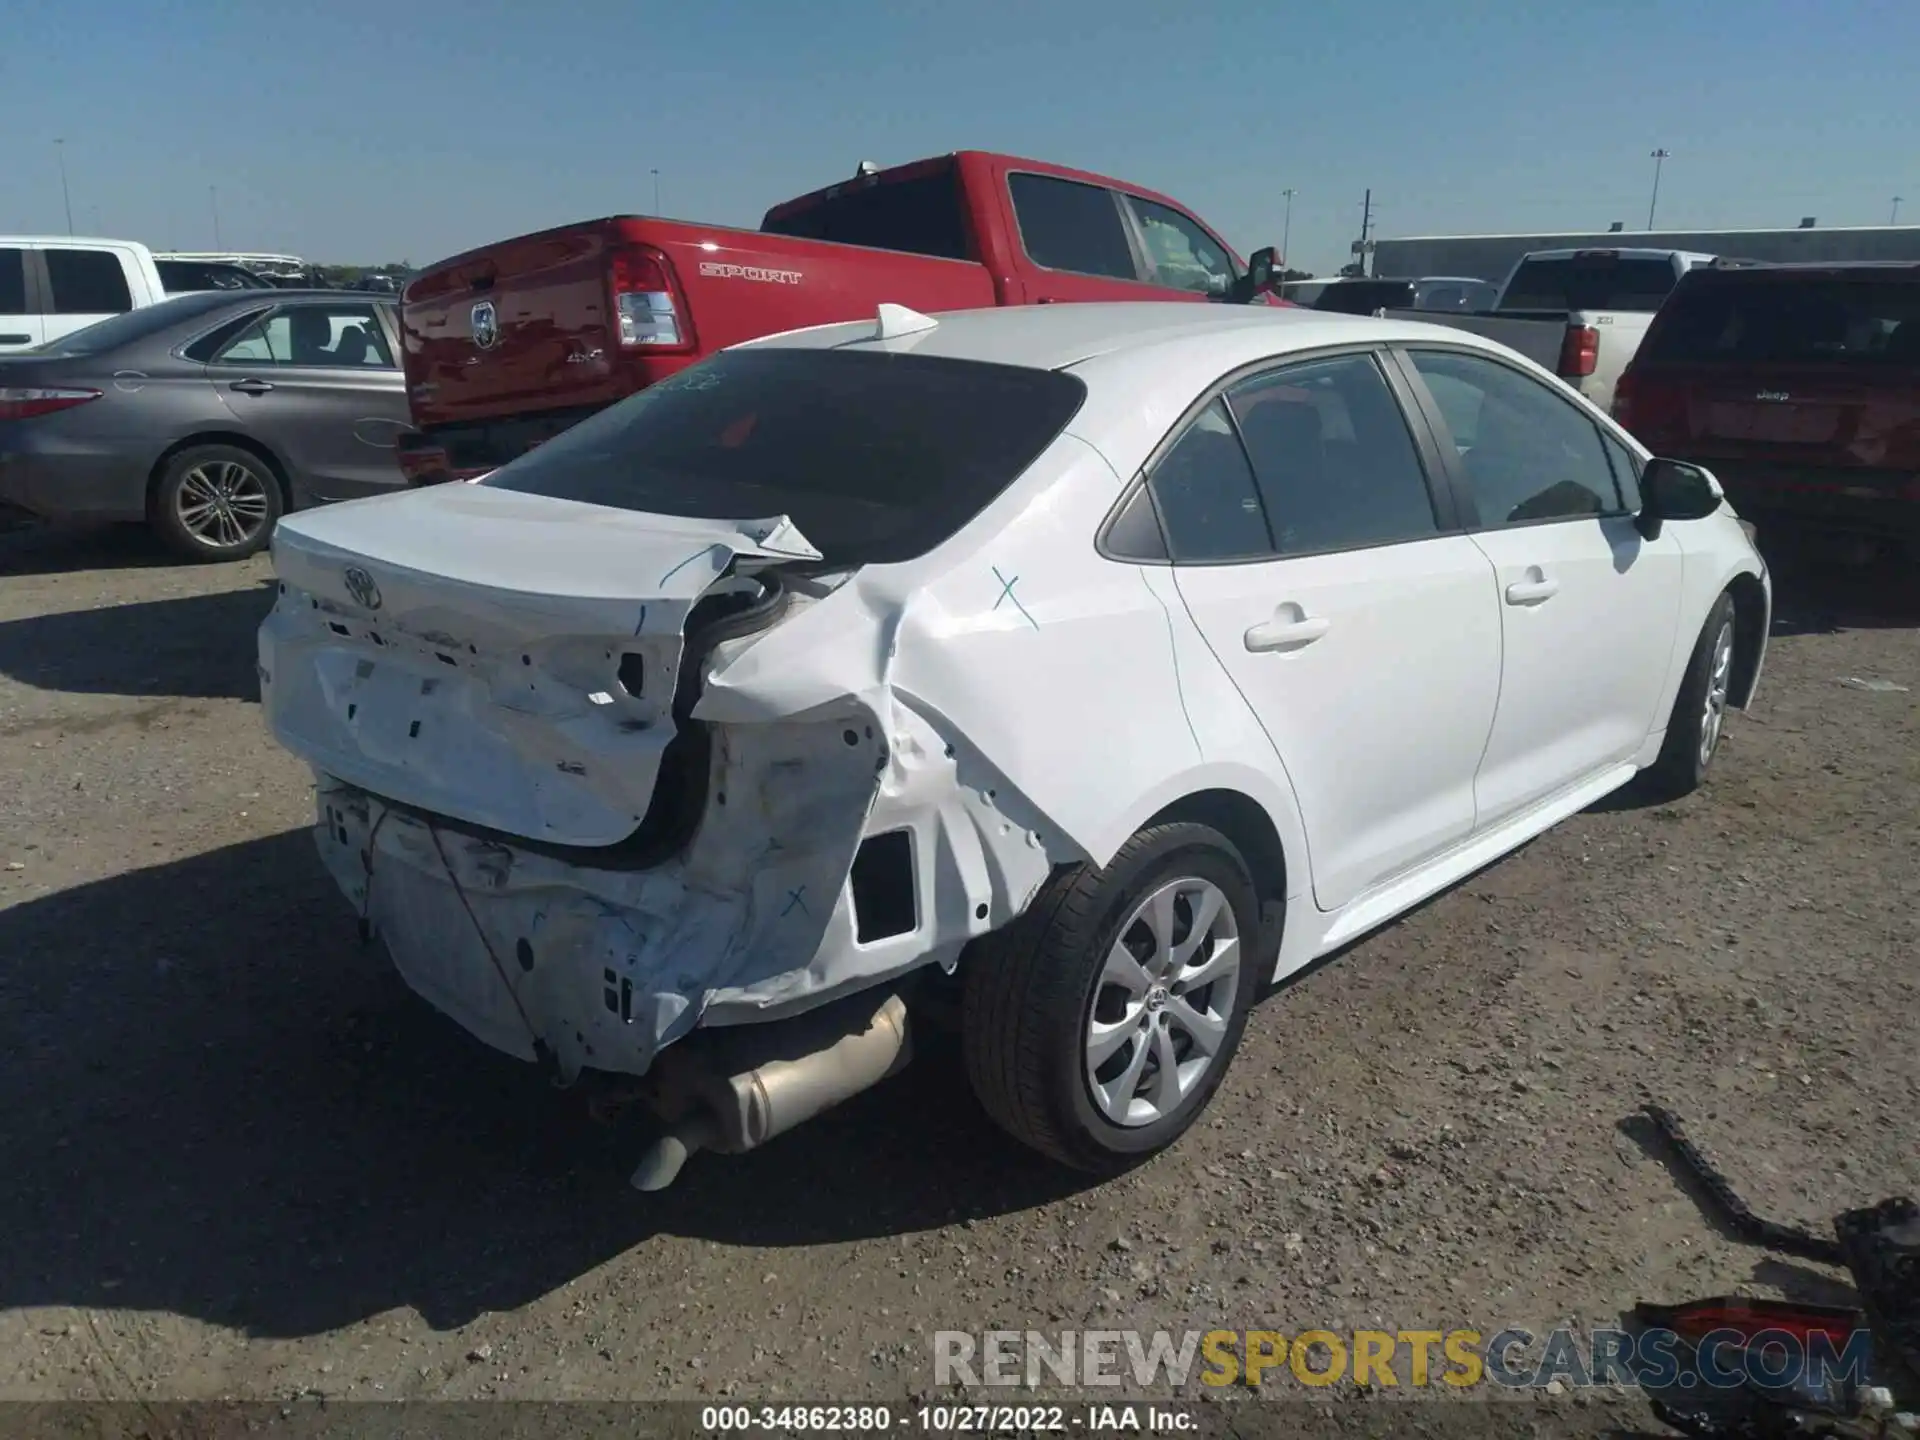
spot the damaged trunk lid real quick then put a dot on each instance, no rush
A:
(504, 659)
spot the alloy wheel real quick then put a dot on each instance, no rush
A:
(1719, 679)
(1162, 1002)
(222, 503)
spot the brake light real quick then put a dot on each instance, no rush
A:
(23, 403)
(1579, 352)
(1623, 389)
(645, 307)
(1653, 406)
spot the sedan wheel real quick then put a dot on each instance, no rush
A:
(1098, 1025)
(1713, 715)
(1699, 718)
(216, 502)
(1163, 1003)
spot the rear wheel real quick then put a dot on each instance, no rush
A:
(1700, 709)
(216, 502)
(1098, 1027)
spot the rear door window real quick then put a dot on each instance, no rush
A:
(1589, 282)
(877, 458)
(326, 335)
(921, 216)
(1766, 320)
(13, 282)
(1067, 225)
(87, 282)
(1208, 499)
(1336, 464)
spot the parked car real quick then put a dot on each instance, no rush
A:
(508, 345)
(1800, 385)
(206, 416)
(195, 277)
(1455, 292)
(278, 270)
(51, 287)
(1364, 295)
(1580, 313)
(714, 731)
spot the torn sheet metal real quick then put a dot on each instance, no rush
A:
(505, 659)
(754, 921)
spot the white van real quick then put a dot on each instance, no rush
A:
(51, 286)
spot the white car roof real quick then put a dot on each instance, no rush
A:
(1054, 337)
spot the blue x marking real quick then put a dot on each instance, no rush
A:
(793, 899)
(1006, 594)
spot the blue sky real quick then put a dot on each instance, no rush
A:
(354, 131)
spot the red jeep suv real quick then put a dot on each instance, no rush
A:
(1798, 386)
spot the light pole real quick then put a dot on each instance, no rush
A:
(1894, 218)
(60, 149)
(1659, 158)
(656, 192)
(1286, 229)
(213, 203)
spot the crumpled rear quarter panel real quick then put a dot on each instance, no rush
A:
(753, 921)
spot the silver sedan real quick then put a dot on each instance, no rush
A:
(207, 417)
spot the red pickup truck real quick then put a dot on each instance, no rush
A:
(508, 345)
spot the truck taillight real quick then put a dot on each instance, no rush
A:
(17, 403)
(1579, 352)
(644, 303)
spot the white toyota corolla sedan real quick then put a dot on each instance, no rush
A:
(1092, 665)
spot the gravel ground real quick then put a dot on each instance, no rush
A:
(245, 1161)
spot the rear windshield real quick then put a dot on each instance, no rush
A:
(105, 335)
(1363, 297)
(1767, 320)
(921, 216)
(1589, 282)
(877, 458)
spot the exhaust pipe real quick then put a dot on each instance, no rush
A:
(817, 1060)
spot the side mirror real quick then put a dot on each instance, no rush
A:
(1262, 275)
(1675, 490)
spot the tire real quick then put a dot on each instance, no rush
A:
(216, 502)
(1029, 1000)
(1695, 728)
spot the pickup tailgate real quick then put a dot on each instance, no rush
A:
(505, 659)
(575, 318)
(502, 328)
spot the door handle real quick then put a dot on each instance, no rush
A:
(1287, 634)
(1536, 590)
(252, 387)
(14, 339)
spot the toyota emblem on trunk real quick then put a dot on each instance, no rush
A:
(360, 586)
(486, 325)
